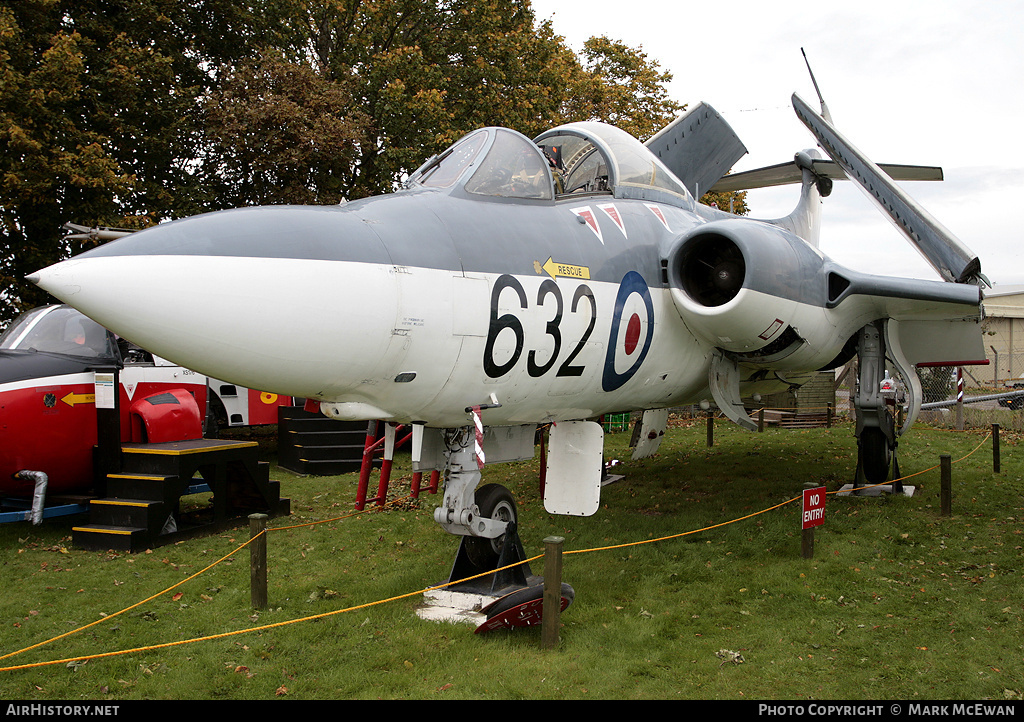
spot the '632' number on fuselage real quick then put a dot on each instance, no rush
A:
(512, 323)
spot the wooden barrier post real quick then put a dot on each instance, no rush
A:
(552, 609)
(711, 428)
(995, 448)
(946, 484)
(760, 419)
(807, 543)
(258, 560)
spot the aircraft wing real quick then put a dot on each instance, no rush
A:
(946, 254)
(698, 147)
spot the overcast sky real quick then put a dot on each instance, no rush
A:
(930, 83)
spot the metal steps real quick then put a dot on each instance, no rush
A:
(311, 444)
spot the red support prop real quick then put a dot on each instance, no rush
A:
(367, 465)
(370, 449)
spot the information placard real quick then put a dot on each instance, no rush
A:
(105, 390)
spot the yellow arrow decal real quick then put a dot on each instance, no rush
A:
(72, 398)
(564, 269)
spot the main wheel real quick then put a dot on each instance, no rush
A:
(494, 502)
(874, 454)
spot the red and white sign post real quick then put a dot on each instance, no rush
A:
(812, 515)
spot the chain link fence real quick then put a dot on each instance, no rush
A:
(984, 402)
(1003, 368)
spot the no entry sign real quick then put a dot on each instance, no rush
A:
(814, 507)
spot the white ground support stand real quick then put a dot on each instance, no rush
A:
(848, 490)
(444, 605)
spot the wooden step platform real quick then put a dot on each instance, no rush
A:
(142, 503)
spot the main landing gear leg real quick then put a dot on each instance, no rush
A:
(876, 429)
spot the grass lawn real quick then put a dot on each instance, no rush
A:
(898, 602)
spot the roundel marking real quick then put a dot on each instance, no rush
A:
(268, 398)
(633, 302)
(632, 334)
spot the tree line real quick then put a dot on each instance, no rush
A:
(126, 113)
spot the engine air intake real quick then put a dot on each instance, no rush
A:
(712, 269)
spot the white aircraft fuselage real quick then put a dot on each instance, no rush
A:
(491, 279)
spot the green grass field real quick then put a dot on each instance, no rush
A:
(898, 602)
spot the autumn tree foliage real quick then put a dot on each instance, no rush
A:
(99, 120)
(128, 113)
(406, 77)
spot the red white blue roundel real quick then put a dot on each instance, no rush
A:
(631, 333)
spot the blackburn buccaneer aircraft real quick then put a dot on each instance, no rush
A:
(516, 282)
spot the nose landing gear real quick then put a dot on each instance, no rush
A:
(486, 518)
(490, 566)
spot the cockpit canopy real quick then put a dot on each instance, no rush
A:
(59, 329)
(595, 157)
(504, 164)
(569, 160)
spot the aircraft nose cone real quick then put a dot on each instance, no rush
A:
(228, 294)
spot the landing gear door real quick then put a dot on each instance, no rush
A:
(650, 432)
(575, 458)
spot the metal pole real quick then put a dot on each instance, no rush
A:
(959, 398)
(367, 465)
(258, 560)
(552, 609)
(946, 484)
(995, 448)
(711, 428)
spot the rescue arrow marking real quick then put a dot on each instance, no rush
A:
(555, 269)
(72, 398)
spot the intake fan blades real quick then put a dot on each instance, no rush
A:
(713, 270)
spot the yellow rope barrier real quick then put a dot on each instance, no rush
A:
(183, 581)
(264, 627)
(128, 609)
(324, 615)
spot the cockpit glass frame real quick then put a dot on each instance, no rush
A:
(599, 158)
(513, 167)
(445, 169)
(61, 330)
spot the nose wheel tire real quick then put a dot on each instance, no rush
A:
(494, 502)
